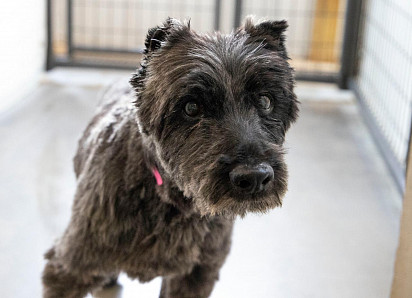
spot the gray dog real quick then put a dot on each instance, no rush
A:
(164, 167)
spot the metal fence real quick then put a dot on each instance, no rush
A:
(110, 33)
(383, 78)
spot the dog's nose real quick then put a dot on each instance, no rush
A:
(251, 179)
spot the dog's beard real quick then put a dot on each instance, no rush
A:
(208, 185)
(230, 206)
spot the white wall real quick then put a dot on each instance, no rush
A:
(22, 48)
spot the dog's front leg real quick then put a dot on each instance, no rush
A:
(197, 284)
(58, 283)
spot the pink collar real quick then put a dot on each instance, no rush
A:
(157, 176)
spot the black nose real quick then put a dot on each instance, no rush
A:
(251, 179)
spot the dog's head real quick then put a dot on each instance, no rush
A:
(214, 109)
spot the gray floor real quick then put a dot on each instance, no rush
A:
(335, 236)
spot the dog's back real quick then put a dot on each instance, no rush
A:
(115, 110)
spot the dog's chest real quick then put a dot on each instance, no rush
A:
(173, 247)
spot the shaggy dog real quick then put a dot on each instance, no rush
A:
(164, 167)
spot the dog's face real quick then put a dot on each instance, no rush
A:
(215, 110)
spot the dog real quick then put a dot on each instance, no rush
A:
(168, 163)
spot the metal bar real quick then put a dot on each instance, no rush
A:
(330, 78)
(107, 50)
(325, 78)
(350, 41)
(395, 168)
(70, 63)
(49, 53)
(217, 14)
(238, 13)
(69, 28)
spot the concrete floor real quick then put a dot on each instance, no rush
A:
(335, 236)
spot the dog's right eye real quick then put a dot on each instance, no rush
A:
(192, 109)
(265, 103)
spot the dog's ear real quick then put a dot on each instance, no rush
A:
(158, 35)
(171, 30)
(270, 33)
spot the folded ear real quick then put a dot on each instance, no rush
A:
(270, 33)
(171, 30)
(159, 34)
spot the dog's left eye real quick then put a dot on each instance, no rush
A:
(265, 103)
(192, 109)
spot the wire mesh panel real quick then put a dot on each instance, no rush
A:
(111, 32)
(315, 33)
(384, 79)
(123, 24)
